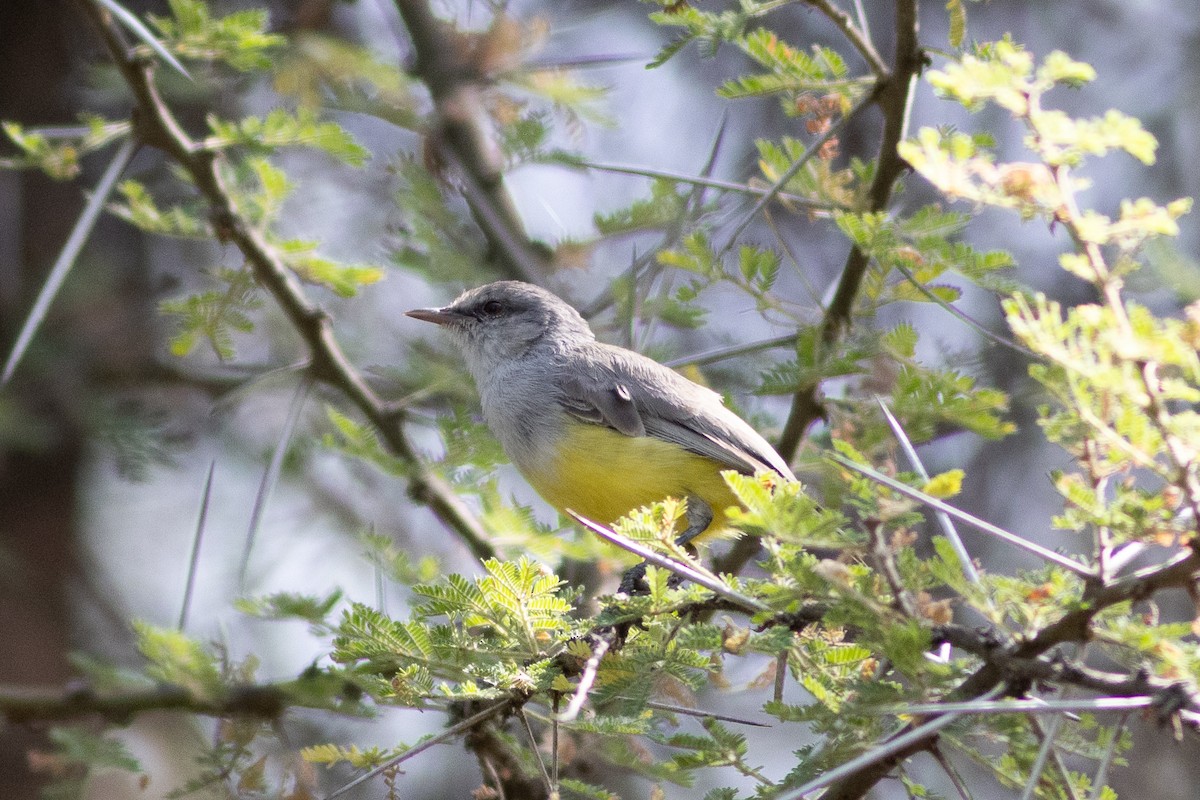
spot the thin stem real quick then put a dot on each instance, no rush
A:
(711, 183)
(551, 785)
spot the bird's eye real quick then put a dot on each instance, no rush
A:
(493, 307)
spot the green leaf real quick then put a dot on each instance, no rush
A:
(56, 152)
(178, 660)
(215, 316)
(281, 128)
(958, 22)
(91, 750)
(345, 280)
(285, 605)
(901, 340)
(665, 207)
(140, 209)
(945, 485)
(239, 39)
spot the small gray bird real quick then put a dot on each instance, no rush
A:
(594, 428)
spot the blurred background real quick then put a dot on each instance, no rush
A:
(106, 438)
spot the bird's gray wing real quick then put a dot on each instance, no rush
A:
(639, 397)
(602, 402)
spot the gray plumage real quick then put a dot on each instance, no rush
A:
(533, 356)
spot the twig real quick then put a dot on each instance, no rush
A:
(773, 191)
(698, 180)
(960, 785)
(781, 666)
(551, 787)
(1026, 658)
(892, 751)
(859, 37)
(671, 236)
(1044, 754)
(964, 316)
(1101, 777)
(722, 353)
(258, 701)
(885, 564)
(157, 126)
(461, 138)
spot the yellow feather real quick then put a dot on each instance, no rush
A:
(603, 475)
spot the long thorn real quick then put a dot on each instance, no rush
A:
(1101, 777)
(970, 519)
(1044, 753)
(942, 517)
(585, 681)
(135, 25)
(1031, 706)
(193, 564)
(683, 570)
(271, 476)
(66, 258)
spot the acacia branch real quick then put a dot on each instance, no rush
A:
(461, 138)
(1023, 663)
(261, 701)
(156, 125)
(892, 95)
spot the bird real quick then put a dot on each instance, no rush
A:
(597, 429)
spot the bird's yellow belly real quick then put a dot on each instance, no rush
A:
(603, 474)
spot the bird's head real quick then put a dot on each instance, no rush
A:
(502, 321)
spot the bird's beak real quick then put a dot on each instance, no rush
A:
(438, 316)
